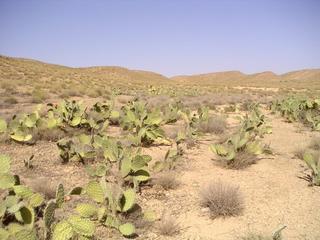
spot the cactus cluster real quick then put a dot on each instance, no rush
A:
(65, 115)
(245, 143)
(26, 215)
(132, 165)
(144, 125)
(20, 207)
(20, 128)
(303, 109)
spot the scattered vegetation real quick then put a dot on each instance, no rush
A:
(117, 166)
(22, 208)
(303, 109)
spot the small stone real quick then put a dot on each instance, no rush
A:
(205, 210)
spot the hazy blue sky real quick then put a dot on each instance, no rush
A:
(167, 36)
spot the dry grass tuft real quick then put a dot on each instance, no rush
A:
(51, 135)
(230, 108)
(298, 153)
(171, 131)
(167, 180)
(315, 143)
(11, 100)
(45, 187)
(93, 93)
(38, 96)
(215, 124)
(253, 236)
(124, 99)
(158, 101)
(190, 143)
(168, 226)
(242, 160)
(222, 199)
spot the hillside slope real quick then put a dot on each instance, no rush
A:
(19, 66)
(28, 74)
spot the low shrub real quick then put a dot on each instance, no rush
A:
(168, 226)
(167, 180)
(315, 143)
(222, 199)
(242, 160)
(214, 124)
(10, 100)
(38, 96)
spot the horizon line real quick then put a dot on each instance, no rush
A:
(156, 72)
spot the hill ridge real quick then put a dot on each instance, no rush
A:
(16, 67)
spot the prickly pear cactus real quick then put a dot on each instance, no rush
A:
(95, 191)
(48, 215)
(127, 229)
(60, 195)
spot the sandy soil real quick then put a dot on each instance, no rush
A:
(274, 195)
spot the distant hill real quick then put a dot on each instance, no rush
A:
(297, 79)
(34, 72)
(22, 66)
(212, 77)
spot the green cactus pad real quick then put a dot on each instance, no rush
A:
(22, 191)
(26, 234)
(112, 222)
(86, 210)
(76, 191)
(254, 148)
(219, 149)
(36, 200)
(62, 231)
(141, 175)
(21, 137)
(6, 181)
(82, 226)
(4, 164)
(60, 195)
(3, 125)
(4, 234)
(138, 162)
(27, 215)
(128, 200)
(13, 228)
(127, 229)
(48, 215)
(95, 191)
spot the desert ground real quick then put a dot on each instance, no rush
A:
(230, 155)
